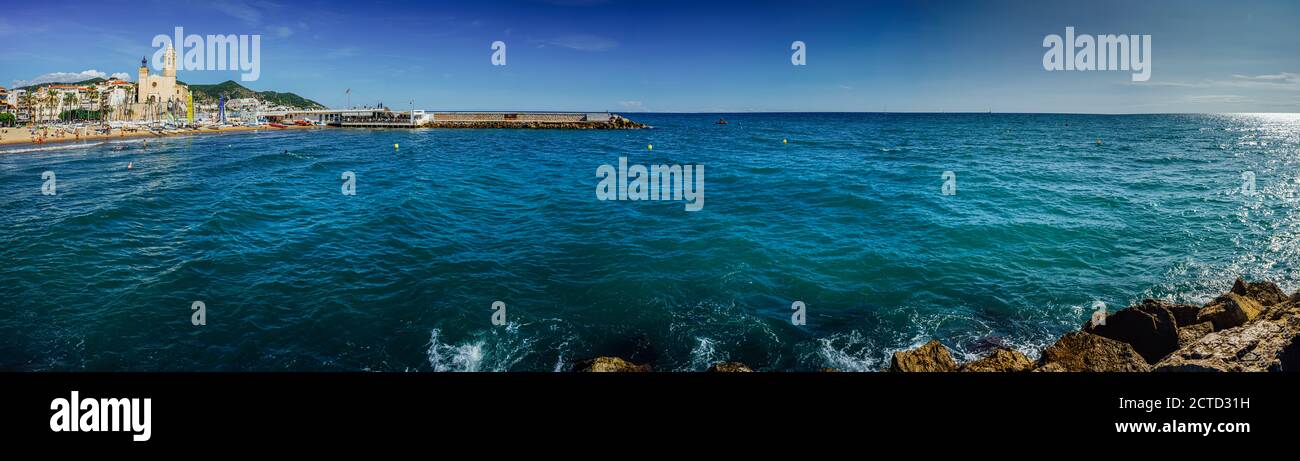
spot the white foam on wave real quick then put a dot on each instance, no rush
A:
(849, 352)
(970, 338)
(705, 354)
(450, 357)
(707, 332)
(128, 141)
(561, 362)
(498, 349)
(50, 148)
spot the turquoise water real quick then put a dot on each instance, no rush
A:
(847, 217)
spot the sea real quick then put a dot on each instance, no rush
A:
(825, 240)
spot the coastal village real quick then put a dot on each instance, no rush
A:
(158, 104)
(155, 104)
(151, 97)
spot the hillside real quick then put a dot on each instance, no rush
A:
(232, 90)
(43, 85)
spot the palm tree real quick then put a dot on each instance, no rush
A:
(49, 100)
(70, 100)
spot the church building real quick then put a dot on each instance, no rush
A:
(158, 95)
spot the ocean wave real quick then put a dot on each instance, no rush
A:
(705, 354)
(50, 148)
(850, 351)
(515, 346)
(492, 351)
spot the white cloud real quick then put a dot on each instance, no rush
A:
(68, 77)
(9, 28)
(1219, 98)
(1283, 76)
(1278, 81)
(239, 10)
(582, 42)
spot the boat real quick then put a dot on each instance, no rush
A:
(302, 123)
(721, 121)
(277, 125)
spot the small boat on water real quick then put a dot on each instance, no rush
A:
(721, 121)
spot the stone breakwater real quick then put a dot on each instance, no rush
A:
(612, 123)
(1252, 327)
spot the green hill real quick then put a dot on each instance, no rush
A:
(232, 90)
(43, 85)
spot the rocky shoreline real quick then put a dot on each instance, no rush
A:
(1253, 327)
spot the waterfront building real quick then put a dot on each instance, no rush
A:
(160, 97)
(6, 106)
(21, 100)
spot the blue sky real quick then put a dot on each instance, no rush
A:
(698, 56)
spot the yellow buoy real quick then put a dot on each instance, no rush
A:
(394, 146)
(785, 141)
(649, 147)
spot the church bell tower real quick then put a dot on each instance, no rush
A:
(169, 62)
(140, 82)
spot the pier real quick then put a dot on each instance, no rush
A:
(359, 118)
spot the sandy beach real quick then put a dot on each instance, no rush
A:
(54, 135)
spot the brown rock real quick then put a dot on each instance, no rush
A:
(1266, 293)
(1280, 311)
(1050, 368)
(1184, 314)
(729, 367)
(1000, 360)
(1189, 334)
(932, 357)
(1257, 346)
(1229, 310)
(609, 364)
(1081, 351)
(1149, 328)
